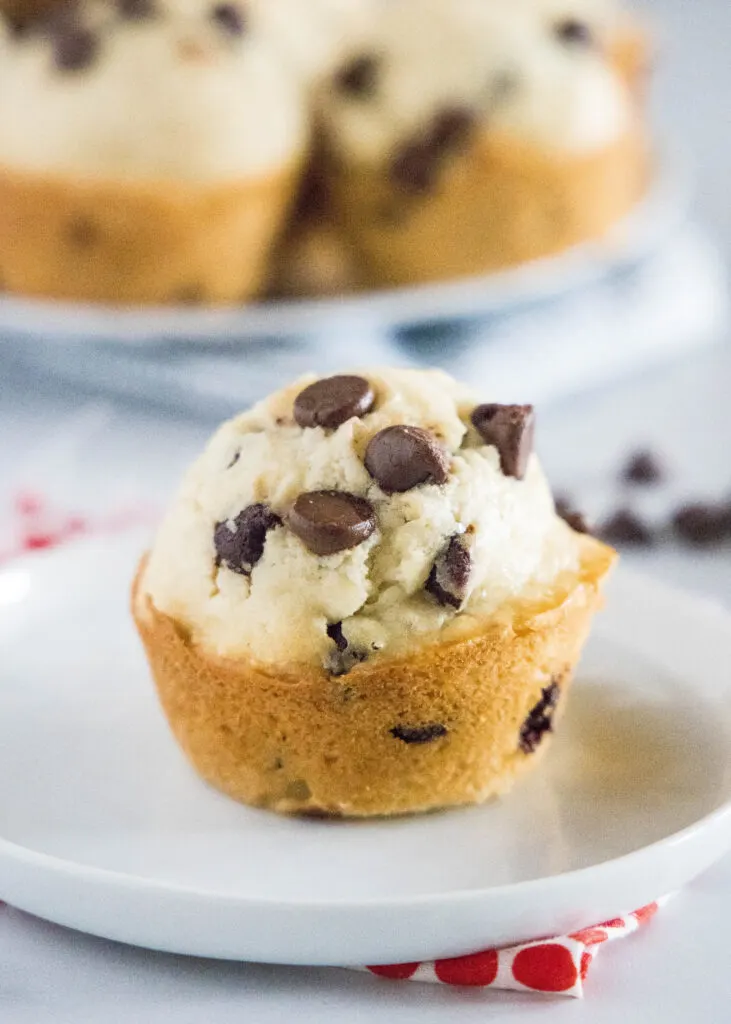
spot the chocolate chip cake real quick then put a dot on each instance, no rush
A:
(149, 151)
(468, 136)
(362, 600)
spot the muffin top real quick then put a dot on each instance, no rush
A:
(428, 72)
(190, 90)
(370, 512)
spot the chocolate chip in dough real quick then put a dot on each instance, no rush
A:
(136, 10)
(335, 632)
(400, 458)
(574, 32)
(451, 129)
(359, 77)
(331, 521)
(575, 519)
(510, 428)
(240, 542)
(416, 165)
(539, 720)
(450, 574)
(414, 168)
(74, 47)
(626, 527)
(331, 402)
(82, 233)
(703, 523)
(642, 468)
(419, 733)
(18, 26)
(230, 18)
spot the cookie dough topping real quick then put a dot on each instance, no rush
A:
(359, 514)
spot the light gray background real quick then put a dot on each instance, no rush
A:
(677, 969)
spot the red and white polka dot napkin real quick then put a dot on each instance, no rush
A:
(555, 966)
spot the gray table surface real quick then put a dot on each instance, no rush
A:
(674, 971)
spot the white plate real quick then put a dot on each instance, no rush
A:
(640, 233)
(104, 828)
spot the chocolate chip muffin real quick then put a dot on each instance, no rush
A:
(156, 156)
(362, 601)
(467, 136)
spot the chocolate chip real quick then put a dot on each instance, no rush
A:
(568, 513)
(330, 521)
(450, 574)
(230, 18)
(136, 10)
(82, 233)
(19, 27)
(234, 460)
(419, 733)
(335, 632)
(359, 78)
(452, 128)
(331, 402)
(703, 523)
(642, 468)
(402, 457)
(240, 543)
(539, 720)
(313, 201)
(510, 428)
(414, 168)
(626, 527)
(574, 32)
(74, 48)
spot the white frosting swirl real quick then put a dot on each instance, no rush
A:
(279, 614)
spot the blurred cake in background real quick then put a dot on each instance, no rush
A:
(217, 151)
(468, 136)
(149, 151)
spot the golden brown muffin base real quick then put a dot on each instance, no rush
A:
(299, 740)
(499, 204)
(139, 243)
